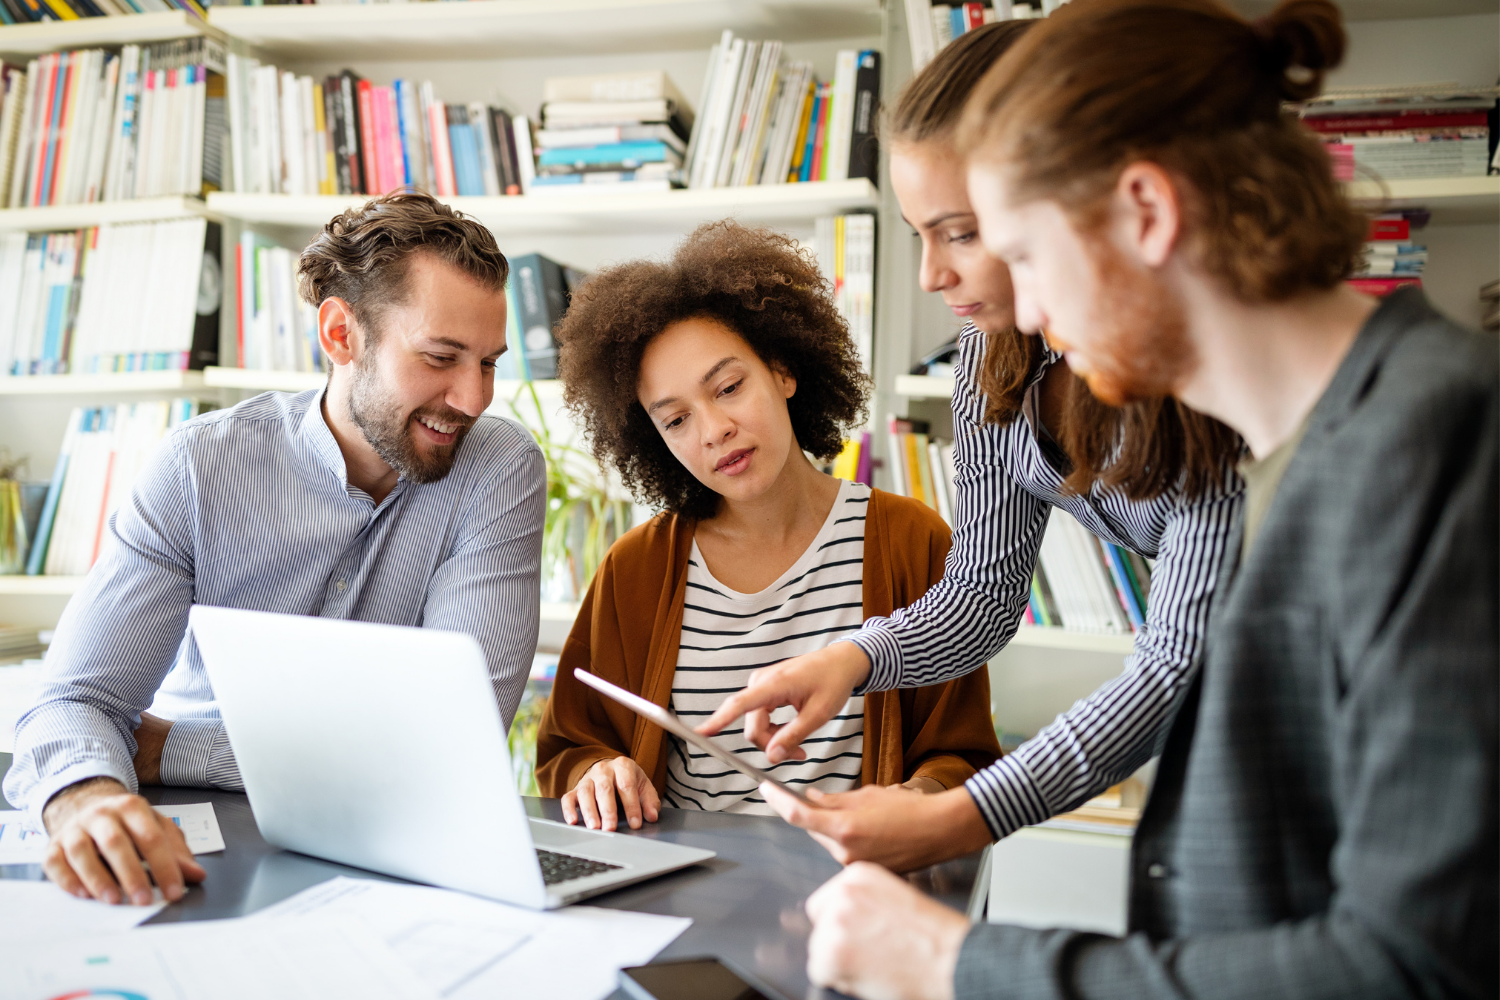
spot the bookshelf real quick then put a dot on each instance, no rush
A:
(583, 213)
(1453, 200)
(39, 586)
(102, 212)
(924, 387)
(48, 36)
(492, 29)
(175, 382)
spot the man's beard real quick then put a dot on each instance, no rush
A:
(1143, 348)
(389, 431)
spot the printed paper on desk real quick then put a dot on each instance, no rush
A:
(214, 960)
(468, 948)
(40, 911)
(20, 845)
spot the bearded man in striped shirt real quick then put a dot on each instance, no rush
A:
(388, 496)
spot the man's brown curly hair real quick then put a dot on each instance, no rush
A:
(758, 283)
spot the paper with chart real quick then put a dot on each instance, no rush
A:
(19, 844)
(41, 911)
(214, 960)
(22, 846)
(468, 948)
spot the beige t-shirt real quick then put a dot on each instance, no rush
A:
(1262, 476)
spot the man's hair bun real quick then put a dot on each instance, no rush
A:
(1304, 39)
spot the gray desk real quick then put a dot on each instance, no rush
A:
(746, 904)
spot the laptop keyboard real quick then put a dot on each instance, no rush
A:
(566, 867)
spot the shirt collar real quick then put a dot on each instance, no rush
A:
(316, 437)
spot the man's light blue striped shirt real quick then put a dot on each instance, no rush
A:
(251, 507)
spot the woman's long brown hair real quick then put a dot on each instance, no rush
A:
(1143, 449)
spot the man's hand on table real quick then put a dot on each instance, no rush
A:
(100, 834)
(816, 684)
(875, 936)
(594, 796)
(887, 825)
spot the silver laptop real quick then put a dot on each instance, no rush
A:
(381, 747)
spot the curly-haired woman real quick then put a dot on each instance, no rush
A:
(706, 382)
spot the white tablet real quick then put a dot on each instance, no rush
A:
(675, 726)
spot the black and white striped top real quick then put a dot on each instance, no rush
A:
(726, 634)
(251, 507)
(1005, 488)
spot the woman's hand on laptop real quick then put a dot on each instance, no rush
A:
(816, 684)
(100, 834)
(594, 796)
(888, 825)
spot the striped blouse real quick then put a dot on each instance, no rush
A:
(1005, 489)
(726, 635)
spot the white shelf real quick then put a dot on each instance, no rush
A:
(1382, 10)
(89, 32)
(924, 387)
(1061, 638)
(1453, 200)
(255, 380)
(39, 586)
(492, 29)
(584, 214)
(101, 212)
(558, 611)
(262, 381)
(81, 385)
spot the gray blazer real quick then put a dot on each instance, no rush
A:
(1324, 818)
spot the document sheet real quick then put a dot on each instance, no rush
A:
(21, 846)
(38, 911)
(213, 960)
(468, 948)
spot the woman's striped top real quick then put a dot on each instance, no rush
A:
(726, 635)
(1005, 489)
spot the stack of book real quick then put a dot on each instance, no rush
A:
(1080, 583)
(921, 466)
(1086, 585)
(29, 11)
(344, 135)
(762, 122)
(845, 248)
(1405, 133)
(277, 331)
(855, 463)
(103, 451)
(1391, 260)
(117, 298)
(89, 126)
(931, 25)
(612, 132)
(536, 298)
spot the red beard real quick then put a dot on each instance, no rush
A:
(1140, 345)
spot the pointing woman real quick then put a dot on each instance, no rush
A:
(1151, 476)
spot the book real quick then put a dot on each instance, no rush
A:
(541, 298)
(864, 147)
(638, 85)
(104, 450)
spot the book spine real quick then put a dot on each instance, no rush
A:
(864, 147)
(442, 150)
(368, 154)
(37, 558)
